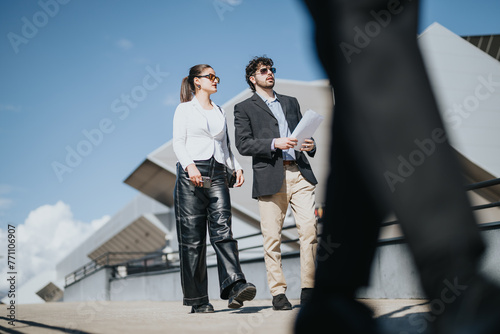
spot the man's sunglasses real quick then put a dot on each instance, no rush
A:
(264, 70)
(210, 77)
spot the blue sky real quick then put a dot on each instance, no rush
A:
(102, 77)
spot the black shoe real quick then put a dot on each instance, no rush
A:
(203, 308)
(470, 307)
(241, 292)
(305, 295)
(327, 313)
(281, 303)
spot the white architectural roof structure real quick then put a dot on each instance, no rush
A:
(467, 85)
(141, 226)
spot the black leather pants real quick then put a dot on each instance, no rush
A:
(194, 208)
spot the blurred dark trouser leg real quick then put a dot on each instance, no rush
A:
(351, 221)
(347, 244)
(389, 113)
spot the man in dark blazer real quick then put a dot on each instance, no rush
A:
(282, 174)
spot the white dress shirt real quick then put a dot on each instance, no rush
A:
(200, 134)
(279, 114)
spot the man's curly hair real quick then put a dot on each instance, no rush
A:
(252, 67)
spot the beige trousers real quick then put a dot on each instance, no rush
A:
(300, 194)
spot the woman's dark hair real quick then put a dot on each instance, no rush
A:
(252, 67)
(187, 85)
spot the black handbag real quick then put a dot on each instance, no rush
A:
(231, 177)
(230, 173)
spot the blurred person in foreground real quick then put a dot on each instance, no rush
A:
(384, 107)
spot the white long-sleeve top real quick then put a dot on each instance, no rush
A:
(200, 134)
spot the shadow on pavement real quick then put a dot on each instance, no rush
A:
(412, 323)
(39, 325)
(245, 309)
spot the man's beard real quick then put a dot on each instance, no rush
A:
(265, 84)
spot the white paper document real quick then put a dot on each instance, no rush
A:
(306, 127)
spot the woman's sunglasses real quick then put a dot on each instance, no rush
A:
(210, 77)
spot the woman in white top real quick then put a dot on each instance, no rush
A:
(201, 195)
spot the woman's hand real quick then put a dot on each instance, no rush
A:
(240, 179)
(194, 175)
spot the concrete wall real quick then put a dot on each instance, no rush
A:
(92, 287)
(394, 274)
(491, 261)
(167, 286)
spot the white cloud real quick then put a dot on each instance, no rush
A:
(142, 60)
(9, 107)
(5, 203)
(124, 44)
(232, 2)
(5, 189)
(48, 234)
(171, 100)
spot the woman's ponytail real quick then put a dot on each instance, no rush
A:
(186, 92)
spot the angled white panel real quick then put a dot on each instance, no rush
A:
(466, 81)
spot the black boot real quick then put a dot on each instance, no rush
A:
(281, 303)
(203, 308)
(240, 293)
(469, 307)
(334, 313)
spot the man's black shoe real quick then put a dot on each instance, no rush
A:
(281, 303)
(332, 313)
(241, 292)
(305, 295)
(203, 308)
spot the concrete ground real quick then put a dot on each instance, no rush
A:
(401, 316)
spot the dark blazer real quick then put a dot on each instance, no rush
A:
(255, 128)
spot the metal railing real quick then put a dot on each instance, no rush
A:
(107, 260)
(472, 186)
(130, 263)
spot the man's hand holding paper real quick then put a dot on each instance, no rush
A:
(305, 130)
(308, 145)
